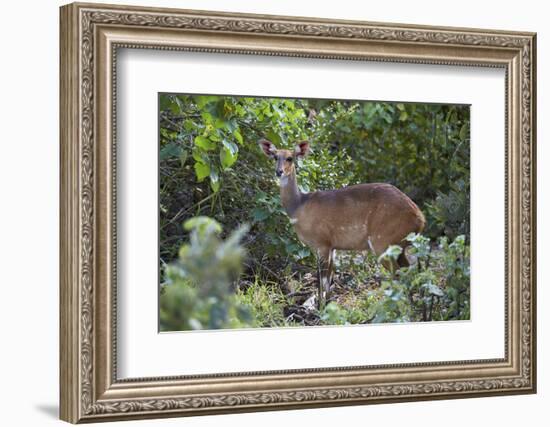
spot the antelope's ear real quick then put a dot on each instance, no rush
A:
(301, 149)
(267, 147)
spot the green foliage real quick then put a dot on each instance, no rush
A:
(266, 303)
(437, 287)
(450, 213)
(210, 165)
(198, 290)
(423, 149)
(420, 148)
(334, 314)
(212, 140)
(349, 312)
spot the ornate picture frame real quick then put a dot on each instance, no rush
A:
(90, 37)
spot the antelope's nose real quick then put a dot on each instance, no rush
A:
(279, 172)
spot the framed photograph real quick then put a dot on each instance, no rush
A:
(267, 212)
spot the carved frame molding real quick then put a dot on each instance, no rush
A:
(90, 37)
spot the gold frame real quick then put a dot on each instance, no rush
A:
(90, 36)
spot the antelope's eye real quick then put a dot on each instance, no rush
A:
(289, 159)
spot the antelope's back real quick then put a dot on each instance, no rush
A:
(349, 217)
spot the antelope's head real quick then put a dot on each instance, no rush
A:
(285, 159)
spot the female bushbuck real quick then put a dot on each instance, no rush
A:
(359, 217)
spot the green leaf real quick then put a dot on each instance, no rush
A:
(231, 125)
(231, 146)
(433, 289)
(201, 223)
(183, 158)
(303, 253)
(181, 101)
(203, 100)
(216, 109)
(238, 136)
(204, 143)
(207, 118)
(189, 125)
(167, 102)
(215, 185)
(167, 134)
(226, 158)
(464, 131)
(392, 252)
(228, 154)
(214, 180)
(220, 124)
(275, 138)
(386, 117)
(200, 156)
(202, 170)
(215, 137)
(259, 214)
(170, 150)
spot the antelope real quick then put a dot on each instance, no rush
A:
(359, 217)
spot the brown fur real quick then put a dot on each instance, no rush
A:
(359, 217)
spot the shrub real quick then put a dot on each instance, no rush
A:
(210, 165)
(336, 313)
(266, 303)
(198, 292)
(449, 214)
(437, 287)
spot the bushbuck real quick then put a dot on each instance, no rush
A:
(358, 217)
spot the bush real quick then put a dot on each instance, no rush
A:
(210, 165)
(450, 213)
(198, 292)
(266, 303)
(202, 290)
(437, 287)
(337, 314)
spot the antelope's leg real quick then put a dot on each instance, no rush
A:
(320, 303)
(324, 270)
(330, 273)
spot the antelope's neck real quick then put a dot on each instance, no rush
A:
(291, 197)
